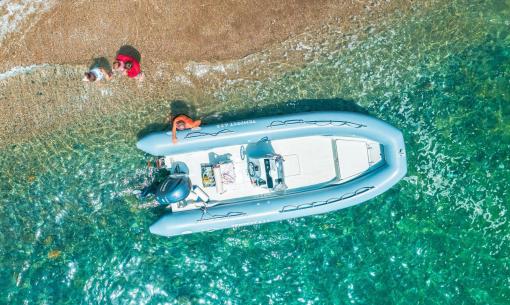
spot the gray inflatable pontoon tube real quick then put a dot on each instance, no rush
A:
(282, 204)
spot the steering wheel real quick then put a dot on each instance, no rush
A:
(251, 169)
(242, 152)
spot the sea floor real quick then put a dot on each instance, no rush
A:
(71, 232)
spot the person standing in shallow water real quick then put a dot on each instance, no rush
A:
(128, 66)
(182, 122)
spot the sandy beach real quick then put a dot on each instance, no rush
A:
(187, 48)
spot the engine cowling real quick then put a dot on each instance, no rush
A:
(173, 189)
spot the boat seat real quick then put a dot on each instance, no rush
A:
(228, 173)
(224, 174)
(272, 173)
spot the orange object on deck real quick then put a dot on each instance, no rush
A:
(188, 124)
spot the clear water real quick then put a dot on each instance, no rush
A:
(71, 233)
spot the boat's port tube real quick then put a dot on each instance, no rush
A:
(267, 208)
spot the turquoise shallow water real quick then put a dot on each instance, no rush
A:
(71, 233)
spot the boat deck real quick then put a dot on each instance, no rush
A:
(308, 161)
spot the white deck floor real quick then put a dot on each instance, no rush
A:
(307, 161)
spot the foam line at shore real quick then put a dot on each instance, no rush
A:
(20, 70)
(15, 12)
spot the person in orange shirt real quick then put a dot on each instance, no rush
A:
(182, 122)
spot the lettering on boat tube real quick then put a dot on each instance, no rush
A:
(237, 123)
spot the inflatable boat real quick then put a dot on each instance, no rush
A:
(268, 169)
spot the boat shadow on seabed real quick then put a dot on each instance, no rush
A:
(289, 107)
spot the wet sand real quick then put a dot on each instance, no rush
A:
(171, 37)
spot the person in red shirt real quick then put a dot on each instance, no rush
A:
(129, 66)
(182, 122)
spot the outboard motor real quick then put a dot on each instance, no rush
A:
(174, 188)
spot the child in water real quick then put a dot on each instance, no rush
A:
(97, 74)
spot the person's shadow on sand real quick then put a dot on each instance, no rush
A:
(101, 62)
(130, 51)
